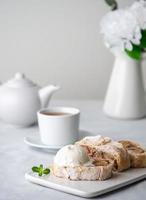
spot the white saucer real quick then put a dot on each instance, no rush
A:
(35, 141)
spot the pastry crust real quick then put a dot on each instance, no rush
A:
(94, 140)
(110, 150)
(136, 153)
(101, 170)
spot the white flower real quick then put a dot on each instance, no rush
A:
(139, 11)
(128, 45)
(123, 27)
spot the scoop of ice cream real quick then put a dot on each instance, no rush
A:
(71, 155)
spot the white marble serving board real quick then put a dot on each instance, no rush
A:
(89, 189)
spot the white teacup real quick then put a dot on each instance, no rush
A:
(58, 125)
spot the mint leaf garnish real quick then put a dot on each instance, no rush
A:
(46, 171)
(35, 169)
(40, 170)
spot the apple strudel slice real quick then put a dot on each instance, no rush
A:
(108, 149)
(71, 162)
(101, 170)
(136, 153)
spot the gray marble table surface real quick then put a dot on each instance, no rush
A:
(16, 157)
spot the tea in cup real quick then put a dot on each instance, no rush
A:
(58, 125)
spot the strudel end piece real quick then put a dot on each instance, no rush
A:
(136, 152)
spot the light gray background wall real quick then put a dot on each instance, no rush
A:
(56, 41)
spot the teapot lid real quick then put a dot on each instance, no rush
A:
(19, 81)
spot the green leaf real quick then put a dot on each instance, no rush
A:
(143, 43)
(46, 171)
(143, 32)
(112, 3)
(40, 170)
(135, 53)
(143, 39)
(41, 166)
(40, 173)
(35, 169)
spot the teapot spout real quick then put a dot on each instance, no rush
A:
(46, 93)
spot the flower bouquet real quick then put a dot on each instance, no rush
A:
(126, 28)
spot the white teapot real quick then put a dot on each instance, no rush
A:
(20, 99)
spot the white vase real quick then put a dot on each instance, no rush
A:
(125, 98)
